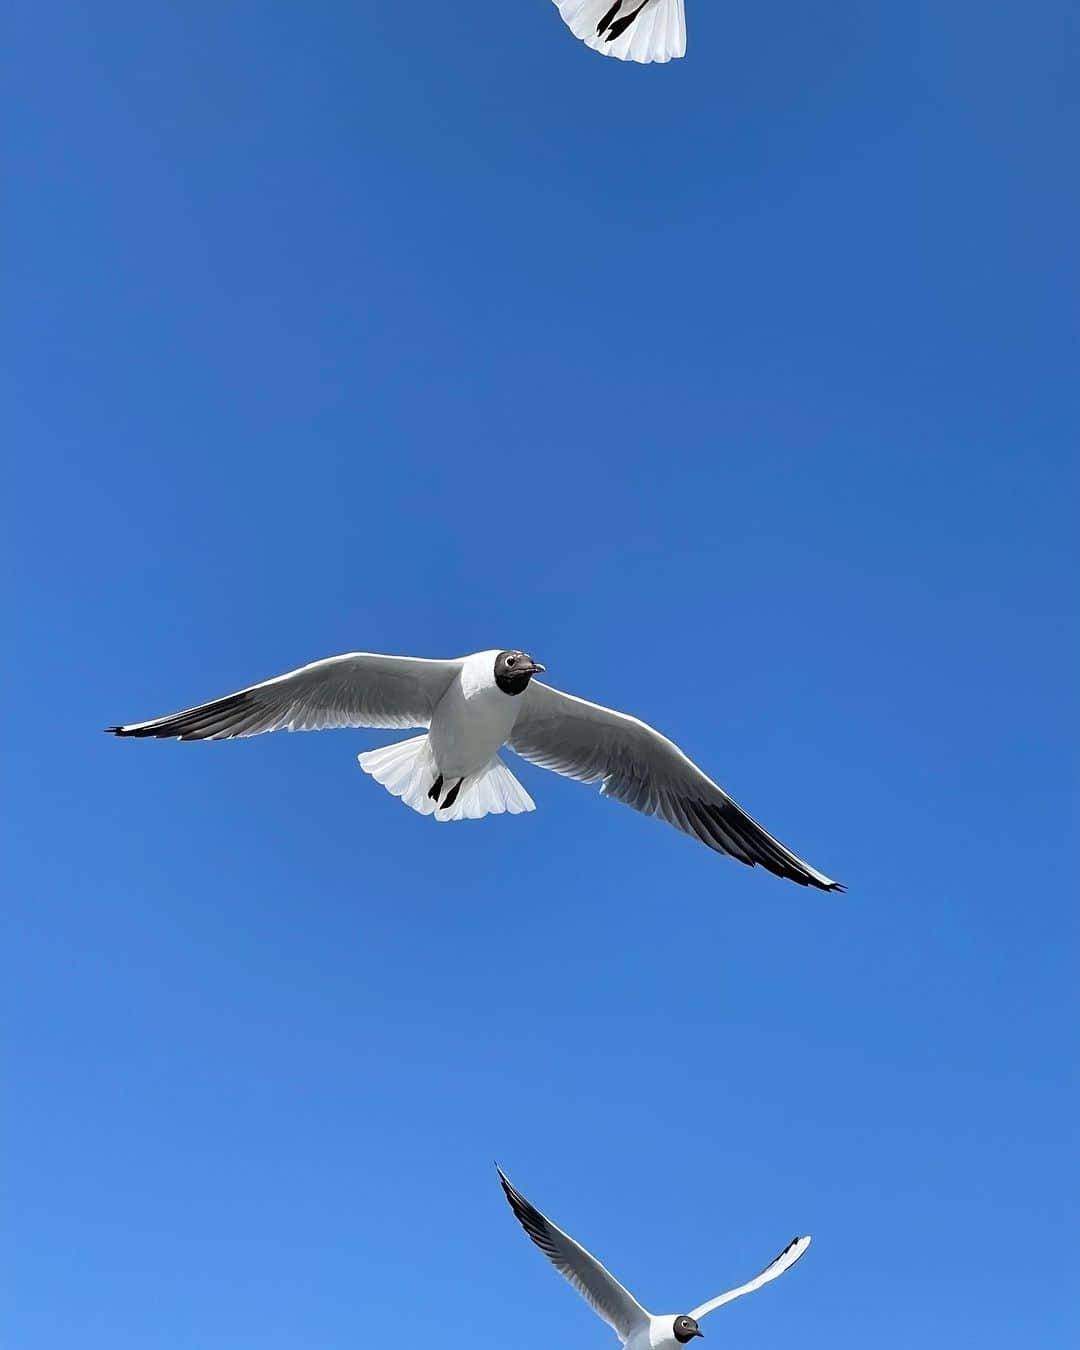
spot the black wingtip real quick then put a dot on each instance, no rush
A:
(114, 731)
(838, 887)
(518, 1203)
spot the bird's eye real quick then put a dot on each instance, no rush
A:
(511, 660)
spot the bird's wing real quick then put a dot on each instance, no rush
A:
(601, 1290)
(787, 1258)
(635, 764)
(360, 689)
(629, 30)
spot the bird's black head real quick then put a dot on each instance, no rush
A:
(686, 1329)
(514, 670)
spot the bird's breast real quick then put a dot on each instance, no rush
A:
(660, 1334)
(469, 726)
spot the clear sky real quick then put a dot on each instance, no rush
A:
(741, 392)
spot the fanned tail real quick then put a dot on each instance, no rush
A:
(629, 30)
(407, 770)
(489, 793)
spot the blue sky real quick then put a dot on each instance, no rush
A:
(742, 393)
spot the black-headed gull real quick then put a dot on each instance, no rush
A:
(630, 30)
(634, 1326)
(472, 707)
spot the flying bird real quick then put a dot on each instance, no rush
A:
(631, 30)
(634, 1326)
(471, 707)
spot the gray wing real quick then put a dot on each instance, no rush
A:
(796, 1248)
(360, 689)
(600, 1289)
(634, 764)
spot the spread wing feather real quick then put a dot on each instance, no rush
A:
(597, 1286)
(359, 689)
(796, 1248)
(634, 764)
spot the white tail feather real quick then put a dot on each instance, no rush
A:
(407, 770)
(656, 33)
(489, 793)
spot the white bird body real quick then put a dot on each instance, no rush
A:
(469, 708)
(658, 1334)
(473, 720)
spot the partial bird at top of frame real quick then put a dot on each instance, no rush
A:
(630, 30)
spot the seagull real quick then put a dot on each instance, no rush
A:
(636, 1328)
(631, 30)
(471, 707)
